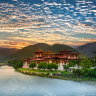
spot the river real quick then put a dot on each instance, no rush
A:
(13, 83)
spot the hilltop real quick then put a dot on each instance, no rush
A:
(29, 50)
(88, 49)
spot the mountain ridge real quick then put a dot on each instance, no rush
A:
(28, 52)
(6, 52)
(88, 49)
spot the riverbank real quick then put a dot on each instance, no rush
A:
(55, 74)
(3, 64)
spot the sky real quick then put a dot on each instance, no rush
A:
(27, 22)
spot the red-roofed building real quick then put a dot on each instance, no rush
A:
(62, 58)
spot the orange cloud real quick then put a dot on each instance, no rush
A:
(88, 40)
(17, 45)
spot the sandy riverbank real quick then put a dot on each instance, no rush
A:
(3, 64)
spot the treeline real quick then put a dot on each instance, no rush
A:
(78, 68)
(15, 63)
(41, 66)
(85, 63)
(83, 68)
(44, 65)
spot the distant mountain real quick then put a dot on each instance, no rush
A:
(29, 50)
(6, 52)
(88, 49)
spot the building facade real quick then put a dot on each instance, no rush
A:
(62, 58)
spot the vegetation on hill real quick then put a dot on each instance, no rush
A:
(88, 49)
(15, 63)
(29, 50)
(5, 53)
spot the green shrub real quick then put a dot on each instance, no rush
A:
(66, 67)
(78, 72)
(32, 65)
(72, 63)
(18, 64)
(42, 65)
(86, 63)
(52, 66)
(85, 72)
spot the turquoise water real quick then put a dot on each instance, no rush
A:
(13, 83)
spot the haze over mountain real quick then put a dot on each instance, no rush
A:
(6, 52)
(88, 49)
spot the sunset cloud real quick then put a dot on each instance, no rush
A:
(24, 23)
(18, 45)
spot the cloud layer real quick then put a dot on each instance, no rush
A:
(47, 21)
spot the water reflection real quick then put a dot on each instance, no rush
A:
(13, 83)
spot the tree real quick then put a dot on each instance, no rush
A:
(55, 66)
(89, 72)
(93, 62)
(66, 67)
(78, 72)
(52, 66)
(17, 64)
(72, 63)
(42, 65)
(94, 56)
(32, 65)
(78, 62)
(12, 62)
(86, 63)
